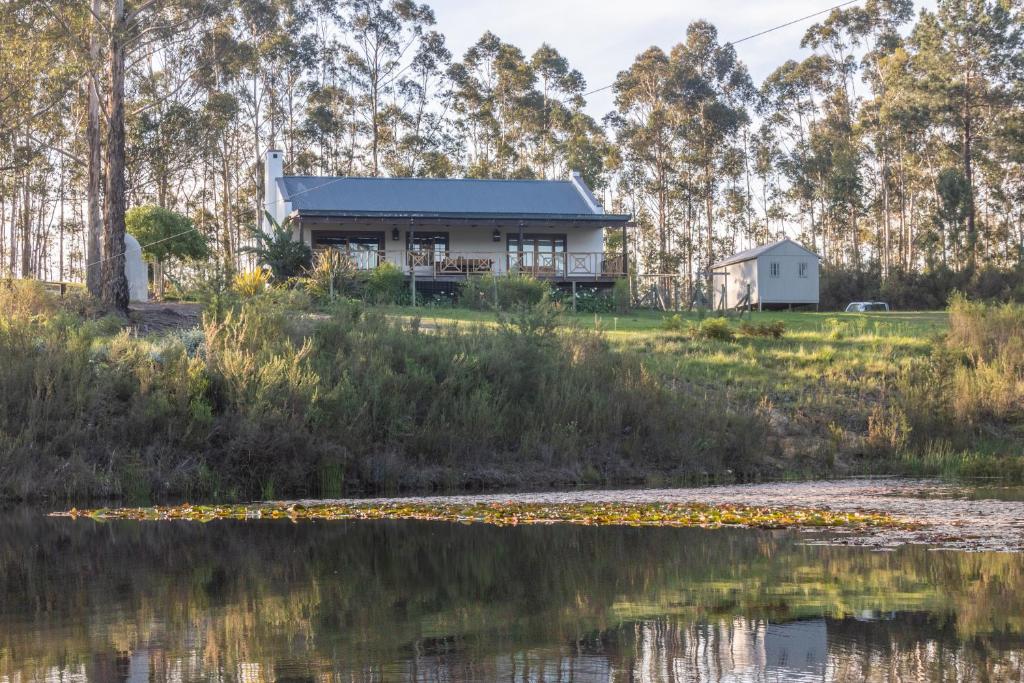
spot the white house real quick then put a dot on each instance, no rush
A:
(776, 275)
(449, 228)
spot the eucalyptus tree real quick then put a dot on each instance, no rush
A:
(420, 142)
(495, 103)
(966, 60)
(648, 142)
(711, 91)
(379, 36)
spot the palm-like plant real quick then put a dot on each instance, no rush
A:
(279, 251)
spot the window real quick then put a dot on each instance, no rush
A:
(774, 269)
(802, 270)
(366, 249)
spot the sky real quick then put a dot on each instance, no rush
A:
(602, 37)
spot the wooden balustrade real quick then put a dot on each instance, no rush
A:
(454, 263)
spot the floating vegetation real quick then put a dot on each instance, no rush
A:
(511, 514)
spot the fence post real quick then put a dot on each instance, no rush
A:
(748, 299)
(573, 296)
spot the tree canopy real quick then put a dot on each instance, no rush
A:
(895, 144)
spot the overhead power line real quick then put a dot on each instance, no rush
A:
(755, 35)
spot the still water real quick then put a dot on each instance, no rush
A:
(423, 601)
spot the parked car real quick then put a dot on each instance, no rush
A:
(867, 307)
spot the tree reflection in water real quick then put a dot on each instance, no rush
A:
(393, 601)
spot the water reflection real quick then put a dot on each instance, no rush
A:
(396, 601)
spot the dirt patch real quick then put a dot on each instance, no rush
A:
(162, 317)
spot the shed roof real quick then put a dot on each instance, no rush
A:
(444, 198)
(757, 251)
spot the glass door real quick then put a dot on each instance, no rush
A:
(426, 248)
(542, 255)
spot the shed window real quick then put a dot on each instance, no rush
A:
(802, 269)
(774, 269)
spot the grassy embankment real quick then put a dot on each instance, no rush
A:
(268, 401)
(847, 393)
(265, 402)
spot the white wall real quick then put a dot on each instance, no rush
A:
(788, 287)
(736, 278)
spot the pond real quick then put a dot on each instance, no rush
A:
(388, 600)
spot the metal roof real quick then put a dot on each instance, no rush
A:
(444, 198)
(757, 251)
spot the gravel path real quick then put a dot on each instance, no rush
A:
(951, 516)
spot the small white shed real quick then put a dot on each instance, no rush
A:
(781, 274)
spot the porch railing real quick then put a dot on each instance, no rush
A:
(456, 263)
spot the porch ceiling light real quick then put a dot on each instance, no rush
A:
(496, 235)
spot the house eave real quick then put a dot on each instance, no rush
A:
(600, 219)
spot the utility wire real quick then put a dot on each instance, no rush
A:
(754, 35)
(596, 90)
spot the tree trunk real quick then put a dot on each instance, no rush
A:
(12, 255)
(972, 235)
(26, 227)
(94, 226)
(709, 207)
(886, 225)
(114, 282)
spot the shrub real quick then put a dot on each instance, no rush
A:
(385, 284)
(502, 292)
(251, 283)
(928, 290)
(621, 296)
(774, 330)
(973, 384)
(26, 298)
(332, 274)
(675, 323)
(588, 299)
(257, 405)
(717, 329)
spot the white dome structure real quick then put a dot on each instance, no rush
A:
(135, 270)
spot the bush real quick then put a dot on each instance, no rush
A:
(332, 274)
(675, 323)
(774, 330)
(504, 293)
(256, 405)
(588, 300)
(621, 296)
(279, 251)
(929, 290)
(251, 283)
(385, 285)
(714, 328)
(972, 387)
